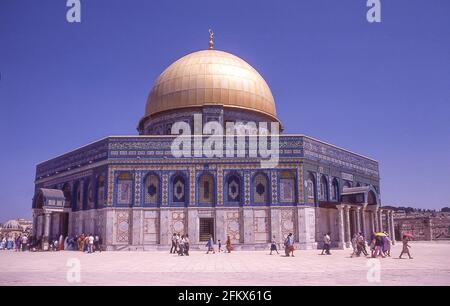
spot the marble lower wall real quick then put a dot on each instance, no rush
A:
(151, 228)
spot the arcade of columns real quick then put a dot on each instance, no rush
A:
(360, 216)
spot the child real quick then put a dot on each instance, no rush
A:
(273, 246)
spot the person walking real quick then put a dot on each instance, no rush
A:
(372, 244)
(220, 246)
(18, 243)
(406, 247)
(387, 246)
(181, 246)
(326, 244)
(290, 245)
(273, 246)
(61, 243)
(186, 245)
(90, 242)
(354, 245)
(24, 243)
(177, 243)
(228, 245)
(378, 247)
(362, 244)
(97, 244)
(210, 245)
(173, 248)
(86, 243)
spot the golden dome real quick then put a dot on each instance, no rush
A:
(210, 77)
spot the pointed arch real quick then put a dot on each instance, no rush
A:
(260, 188)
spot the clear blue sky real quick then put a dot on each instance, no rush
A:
(382, 90)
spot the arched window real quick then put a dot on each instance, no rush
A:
(323, 188)
(206, 189)
(335, 190)
(178, 189)
(79, 195)
(287, 187)
(151, 189)
(371, 198)
(124, 188)
(260, 189)
(39, 200)
(100, 191)
(67, 190)
(347, 184)
(90, 195)
(310, 187)
(234, 188)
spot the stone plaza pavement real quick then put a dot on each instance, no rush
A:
(430, 266)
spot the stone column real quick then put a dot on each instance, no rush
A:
(363, 222)
(47, 223)
(35, 224)
(358, 219)
(341, 242)
(391, 218)
(380, 221)
(388, 223)
(347, 227)
(376, 219)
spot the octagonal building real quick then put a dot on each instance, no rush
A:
(134, 193)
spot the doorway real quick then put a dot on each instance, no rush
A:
(206, 228)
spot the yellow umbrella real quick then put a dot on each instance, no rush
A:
(380, 234)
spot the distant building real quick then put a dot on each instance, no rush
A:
(399, 214)
(423, 227)
(16, 227)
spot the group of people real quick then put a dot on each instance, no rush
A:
(18, 243)
(210, 245)
(380, 245)
(88, 243)
(180, 244)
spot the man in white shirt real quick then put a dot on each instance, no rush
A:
(326, 244)
(90, 243)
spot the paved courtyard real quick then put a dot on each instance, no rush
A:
(430, 266)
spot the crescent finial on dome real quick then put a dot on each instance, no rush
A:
(211, 39)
